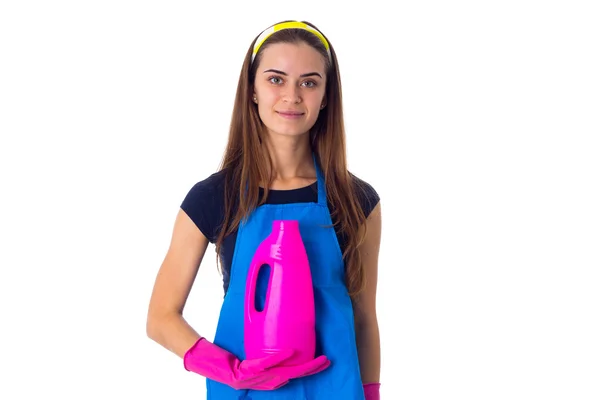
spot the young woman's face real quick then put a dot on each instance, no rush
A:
(290, 88)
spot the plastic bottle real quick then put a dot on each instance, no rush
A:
(287, 319)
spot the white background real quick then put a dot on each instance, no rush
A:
(477, 123)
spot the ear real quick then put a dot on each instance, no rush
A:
(323, 103)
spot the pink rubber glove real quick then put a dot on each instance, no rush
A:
(371, 391)
(213, 362)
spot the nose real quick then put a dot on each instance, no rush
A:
(291, 94)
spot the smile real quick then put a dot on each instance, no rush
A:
(290, 114)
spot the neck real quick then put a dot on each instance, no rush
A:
(292, 158)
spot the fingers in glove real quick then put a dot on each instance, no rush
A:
(309, 368)
(275, 383)
(265, 363)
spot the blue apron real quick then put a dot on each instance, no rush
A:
(333, 308)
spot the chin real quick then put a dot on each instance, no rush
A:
(288, 130)
(289, 133)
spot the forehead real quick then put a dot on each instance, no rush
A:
(292, 58)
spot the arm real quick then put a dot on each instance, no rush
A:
(165, 323)
(365, 313)
(166, 326)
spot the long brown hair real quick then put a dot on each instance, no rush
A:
(243, 173)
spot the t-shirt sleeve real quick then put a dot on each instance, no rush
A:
(203, 204)
(367, 195)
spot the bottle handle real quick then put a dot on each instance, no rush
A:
(257, 262)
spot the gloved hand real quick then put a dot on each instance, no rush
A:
(213, 362)
(371, 391)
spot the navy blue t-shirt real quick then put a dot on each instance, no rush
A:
(205, 205)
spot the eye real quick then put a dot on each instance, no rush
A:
(309, 84)
(275, 80)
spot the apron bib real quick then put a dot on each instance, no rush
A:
(333, 309)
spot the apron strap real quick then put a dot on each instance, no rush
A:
(322, 193)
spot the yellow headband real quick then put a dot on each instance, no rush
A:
(288, 25)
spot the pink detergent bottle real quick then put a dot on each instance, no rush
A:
(287, 320)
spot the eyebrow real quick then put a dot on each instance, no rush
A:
(301, 76)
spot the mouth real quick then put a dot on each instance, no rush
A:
(290, 114)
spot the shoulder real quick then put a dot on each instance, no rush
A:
(366, 194)
(204, 202)
(208, 186)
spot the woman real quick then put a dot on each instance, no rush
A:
(286, 147)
